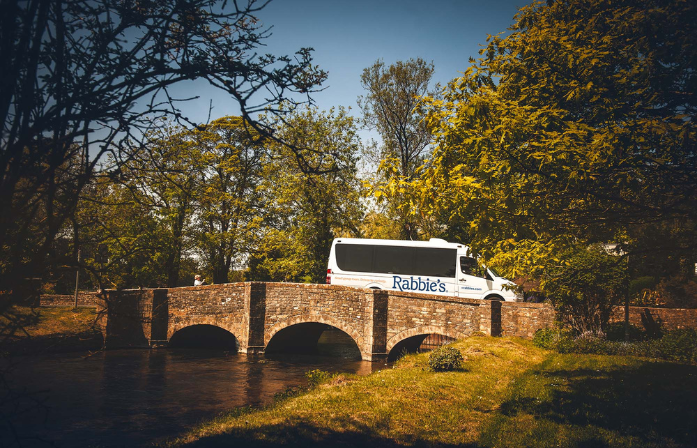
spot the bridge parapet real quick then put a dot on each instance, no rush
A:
(255, 312)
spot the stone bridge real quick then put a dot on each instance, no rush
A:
(286, 315)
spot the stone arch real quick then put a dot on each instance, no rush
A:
(406, 334)
(236, 330)
(204, 336)
(355, 335)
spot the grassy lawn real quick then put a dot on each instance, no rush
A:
(509, 394)
(25, 330)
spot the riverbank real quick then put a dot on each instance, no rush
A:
(25, 330)
(510, 393)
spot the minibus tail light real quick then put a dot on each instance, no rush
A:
(329, 279)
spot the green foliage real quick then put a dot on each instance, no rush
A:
(306, 211)
(445, 359)
(615, 332)
(119, 238)
(90, 88)
(390, 107)
(288, 393)
(638, 285)
(317, 377)
(550, 338)
(213, 199)
(559, 339)
(166, 178)
(586, 287)
(578, 127)
(230, 203)
(677, 291)
(676, 345)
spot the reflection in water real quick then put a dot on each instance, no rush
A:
(131, 397)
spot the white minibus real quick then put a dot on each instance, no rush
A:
(430, 267)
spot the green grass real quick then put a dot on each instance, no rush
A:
(509, 394)
(25, 330)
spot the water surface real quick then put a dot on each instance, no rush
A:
(133, 397)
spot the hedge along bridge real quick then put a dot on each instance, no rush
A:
(287, 316)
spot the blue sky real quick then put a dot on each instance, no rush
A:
(350, 35)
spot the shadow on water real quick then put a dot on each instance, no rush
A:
(132, 397)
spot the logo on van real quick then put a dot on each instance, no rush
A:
(412, 284)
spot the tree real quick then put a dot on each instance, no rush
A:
(308, 210)
(586, 287)
(120, 238)
(390, 107)
(165, 177)
(88, 76)
(230, 204)
(577, 128)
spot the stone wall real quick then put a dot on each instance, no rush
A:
(524, 319)
(126, 317)
(219, 305)
(667, 318)
(86, 299)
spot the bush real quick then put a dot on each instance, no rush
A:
(638, 285)
(553, 339)
(316, 377)
(677, 345)
(590, 343)
(585, 288)
(678, 292)
(615, 332)
(445, 359)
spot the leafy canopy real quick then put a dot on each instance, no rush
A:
(578, 127)
(82, 79)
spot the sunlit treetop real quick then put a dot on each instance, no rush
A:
(578, 126)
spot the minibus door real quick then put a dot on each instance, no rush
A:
(472, 280)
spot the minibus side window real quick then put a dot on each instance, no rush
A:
(435, 262)
(396, 260)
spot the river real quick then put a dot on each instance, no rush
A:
(134, 397)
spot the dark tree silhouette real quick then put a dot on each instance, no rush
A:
(82, 80)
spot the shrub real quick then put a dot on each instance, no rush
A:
(678, 292)
(677, 345)
(615, 332)
(287, 393)
(638, 285)
(585, 287)
(445, 359)
(590, 343)
(316, 377)
(553, 339)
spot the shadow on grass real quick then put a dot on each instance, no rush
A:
(300, 433)
(653, 403)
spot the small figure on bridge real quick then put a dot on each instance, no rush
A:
(198, 281)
